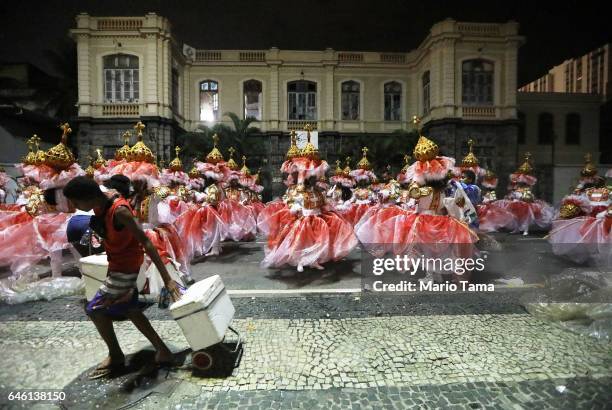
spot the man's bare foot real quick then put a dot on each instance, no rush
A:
(107, 367)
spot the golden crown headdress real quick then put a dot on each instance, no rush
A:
(363, 162)
(245, 170)
(293, 149)
(470, 159)
(176, 165)
(231, 164)
(526, 167)
(39, 155)
(90, 170)
(194, 172)
(100, 161)
(60, 157)
(589, 169)
(214, 156)
(407, 159)
(338, 171)
(489, 174)
(140, 152)
(347, 165)
(123, 153)
(425, 149)
(30, 157)
(309, 151)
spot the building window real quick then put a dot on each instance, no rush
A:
(302, 100)
(209, 100)
(545, 128)
(521, 138)
(572, 129)
(350, 100)
(252, 90)
(121, 78)
(393, 101)
(426, 93)
(175, 90)
(477, 82)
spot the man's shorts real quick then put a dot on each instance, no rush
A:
(116, 310)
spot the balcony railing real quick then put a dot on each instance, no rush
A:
(393, 58)
(252, 56)
(120, 110)
(299, 125)
(479, 29)
(479, 111)
(350, 57)
(119, 24)
(204, 55)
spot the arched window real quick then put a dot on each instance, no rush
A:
(350, 100)
(121, 78)
(302, 100)
(209, 100)
(426, 92)
(521, 138)
(477, 82)
(545, 128)
(393, 101)
(572, 129)
(252, 90)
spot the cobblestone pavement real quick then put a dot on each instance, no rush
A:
(470, 351)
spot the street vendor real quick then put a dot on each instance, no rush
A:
(125, 243)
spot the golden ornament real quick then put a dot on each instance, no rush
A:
(425, 149)
(231, 164)
(60, 157)
(526, 167)
(214, 156)
(363, 162)
(176, 165)
(589, 169)
(245, 170)
(140, 152)
(123, 153)
(470, 159)
(293, 149)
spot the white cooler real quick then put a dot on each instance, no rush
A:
(204, 313)
(93, 269)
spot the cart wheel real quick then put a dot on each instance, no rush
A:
(202, 360)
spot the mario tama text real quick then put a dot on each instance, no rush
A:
(430, 286)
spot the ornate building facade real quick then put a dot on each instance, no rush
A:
(461, 80)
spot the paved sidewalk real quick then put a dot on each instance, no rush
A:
(375, 356)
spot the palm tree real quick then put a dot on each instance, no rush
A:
(200, 141)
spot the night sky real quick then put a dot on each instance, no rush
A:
(554, 30)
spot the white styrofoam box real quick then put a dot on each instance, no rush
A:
(94, 269)
(204, 313)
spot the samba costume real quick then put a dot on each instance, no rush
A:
(240, 220)
(438, 227)
(363, 196)
(339, 195)
(276, 213)
(582, 229)
(313, 235)
(38, 230)
(521, 202)
(201, 225)
(491, 216)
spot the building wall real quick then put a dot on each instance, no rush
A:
(556, 158)
(589, 74)
(442, 53)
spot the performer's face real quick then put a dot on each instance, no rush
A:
(466, 178)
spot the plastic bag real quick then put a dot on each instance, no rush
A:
(13, 291)
(581, 301)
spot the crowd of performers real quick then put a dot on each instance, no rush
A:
(432, 208)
